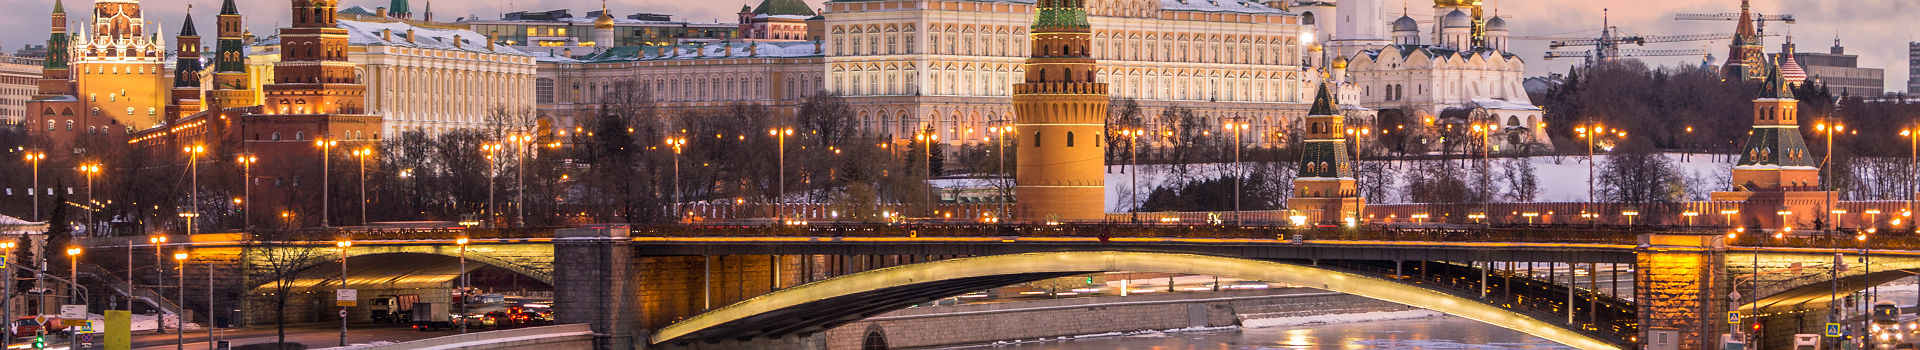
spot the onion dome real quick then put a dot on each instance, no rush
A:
(1454, 3)
(1791, 70)
(604, 22)
(1497, 24)
(1340, 62)
(1315, 48)
(1456, 19)
(1406, 24)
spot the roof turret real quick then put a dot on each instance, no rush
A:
(1456, 19)
(1406, 24)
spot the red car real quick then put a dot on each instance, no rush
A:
(26, 327)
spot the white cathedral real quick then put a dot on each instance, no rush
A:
(1451, 67)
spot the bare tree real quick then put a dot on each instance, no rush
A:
(276, 257)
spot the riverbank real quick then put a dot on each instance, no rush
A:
(1079, 318)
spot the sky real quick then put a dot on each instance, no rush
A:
(1877, 30)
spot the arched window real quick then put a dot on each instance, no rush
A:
(1069, 139)
(1036, 139)
(276, 136)
(299, 135)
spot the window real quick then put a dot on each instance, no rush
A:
(1036, 139)
(276, 136)
(543, 89)
(1069, 139)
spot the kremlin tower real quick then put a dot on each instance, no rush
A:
(185, 99)
(1745, 61)
(230, 80)
(317, 102)
(1776, 172)
(1326, 190)
(1060, 112)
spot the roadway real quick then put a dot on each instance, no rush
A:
(314, 336)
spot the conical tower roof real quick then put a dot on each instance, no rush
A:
(58, 7)
(1323, 102)
(227, 8)
(187, 29)
(1776, 84)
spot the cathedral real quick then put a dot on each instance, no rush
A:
(1452, 66)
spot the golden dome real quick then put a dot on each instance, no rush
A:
(1315, 48)
(1456, 3)
(1340, 63)
(604, 22)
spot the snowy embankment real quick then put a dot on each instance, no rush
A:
(1341, 318)
(1561, 178)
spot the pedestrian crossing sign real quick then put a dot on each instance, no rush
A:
(1833, 330)
(1733, 317)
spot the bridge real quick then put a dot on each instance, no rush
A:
(744, 286)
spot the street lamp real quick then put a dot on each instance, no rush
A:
(1729, 213)
(193, 198)
(73, 274)
(246, 165)
(92, 169)
(678, 143)
(1630, 214)
(462, 242)
(491, 149)
(1783, 219)
(1239, 170)
(928, 137)
(343, 244)
(326, 177)
(1002, 128)
(363, 153)
(1133, 170)
(520, 149)
(179, 323)
(155, 241)
(1913, 163)
(1826, 165)
(781, 187)
(35, 156)
(1486, 163)
(1690, 214)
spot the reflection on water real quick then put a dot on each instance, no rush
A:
(1429, 333)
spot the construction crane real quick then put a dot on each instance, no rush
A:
(1608, 44)
(1759, 20)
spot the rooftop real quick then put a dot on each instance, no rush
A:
(370, 33)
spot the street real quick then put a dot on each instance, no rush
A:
(314, 336)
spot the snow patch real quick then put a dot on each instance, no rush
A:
(1341, 318)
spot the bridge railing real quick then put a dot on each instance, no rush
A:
(1109, 231)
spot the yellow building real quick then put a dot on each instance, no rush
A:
(119, 64)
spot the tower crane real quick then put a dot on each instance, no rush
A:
(1608, 44)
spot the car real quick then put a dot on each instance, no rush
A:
(25, 327)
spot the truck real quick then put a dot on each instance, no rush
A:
(431, 316)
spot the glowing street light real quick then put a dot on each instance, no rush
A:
(92, 170)
(326, 178)
(363, 153)
(246, 165)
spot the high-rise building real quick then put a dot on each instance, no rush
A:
(1842, 72)
(1060, 111)
(1913, 68)
(19, 81)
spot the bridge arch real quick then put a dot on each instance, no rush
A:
(826, 303)
(421, 259)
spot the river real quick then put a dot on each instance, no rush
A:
(1444, 332)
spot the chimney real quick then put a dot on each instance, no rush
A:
(457, 42)
(567, 52)
(410, 36)
(816, 46)
(753, 49)
(490, 39)
(700, 51)
(729, 47)
(386, 35)
(380, 12)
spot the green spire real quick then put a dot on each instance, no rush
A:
(228, 9)
(398, 6)
(1776, 84)
(1323, 101)
(58, 7)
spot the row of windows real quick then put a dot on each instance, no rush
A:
(972, 126)
(994, 80)
(676, 88)
(1002, 42)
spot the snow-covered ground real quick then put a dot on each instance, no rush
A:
(1561, 178)
(1339, 318)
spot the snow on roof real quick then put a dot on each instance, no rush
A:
(369, 33)
(588, 21)
(1233, 6)
(771, 49)
(1505, 105)
(15, 226)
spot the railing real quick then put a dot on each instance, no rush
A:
(151, 297)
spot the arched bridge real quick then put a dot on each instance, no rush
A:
(644, 286)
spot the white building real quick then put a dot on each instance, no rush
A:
(19, 81)
(1458, 63)
(950, 64)
(679, 77)
(425, 79)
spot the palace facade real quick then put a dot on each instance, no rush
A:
(1457, 66)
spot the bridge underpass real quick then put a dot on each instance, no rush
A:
(394, 277)
(1798, 286)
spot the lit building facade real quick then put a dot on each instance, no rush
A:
(100, 84)
(775, 74)
(558, 30)
(952, 64)
(19, 82)
(1840, 71)
(1466, 70)
(776, 20)
(423, 78)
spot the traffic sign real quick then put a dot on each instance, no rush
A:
(1833, 330)
(3, 261)
(346, 297)
(1733, 317)
(73, 312)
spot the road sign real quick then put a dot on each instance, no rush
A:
(3, 261)
(346, 297)
(1733, 317)
(343, 313)
(73, 312)
(73, 323)
(1833, 330)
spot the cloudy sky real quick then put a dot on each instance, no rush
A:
(1877, 30)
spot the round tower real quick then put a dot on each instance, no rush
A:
(1060, 112)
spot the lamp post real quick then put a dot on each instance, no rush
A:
(1630, 214)
(1590, 133)
(193, 197)
(1913, 163)
(678, 143)
(157, 241)
(73, 274)
(343, 244)
(491, 149)
(363, 153)
(246, 165)
(520, 150)
(1236, 126)
(1729, 213)
(1689, 215)
(92, 169)
(326, 178)
(780, 188)
(35, 156)
(928, 137)
(1784, 224)
(462, 242)
(1133, 170)
(1826, 167)
(1001, 129)
(179, 323)
(1486, 165)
